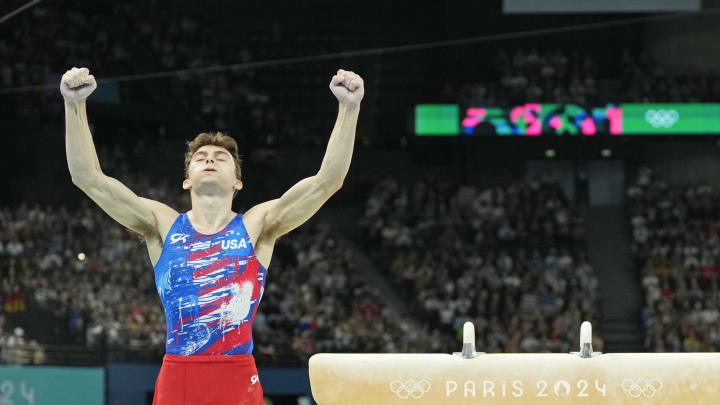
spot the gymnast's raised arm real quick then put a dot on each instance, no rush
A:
(113, 197)
(305, 198)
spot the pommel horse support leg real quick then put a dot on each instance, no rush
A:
(468, 377)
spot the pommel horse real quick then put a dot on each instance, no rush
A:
(469, 377)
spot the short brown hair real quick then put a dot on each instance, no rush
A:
(217, 139)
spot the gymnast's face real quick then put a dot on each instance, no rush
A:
(212, 168)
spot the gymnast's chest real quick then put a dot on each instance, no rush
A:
(208, 265)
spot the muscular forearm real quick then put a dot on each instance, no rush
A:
(79, 147)
(339, 151)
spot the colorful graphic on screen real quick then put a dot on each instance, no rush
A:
(538, 119)
(534, 119)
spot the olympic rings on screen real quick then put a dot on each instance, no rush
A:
(662, 118)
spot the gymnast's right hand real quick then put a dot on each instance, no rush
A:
(77, 84)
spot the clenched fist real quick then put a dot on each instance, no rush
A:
(77, 84)
(348, 87)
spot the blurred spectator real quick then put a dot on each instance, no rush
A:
(15, 349)
(15, 301)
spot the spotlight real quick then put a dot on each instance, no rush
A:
(550, 153)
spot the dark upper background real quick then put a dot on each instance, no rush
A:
(286, 109)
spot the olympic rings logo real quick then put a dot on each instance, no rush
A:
(662, 118)
(409, 388)
(643, 387)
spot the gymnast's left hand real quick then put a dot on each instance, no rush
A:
(348, 87)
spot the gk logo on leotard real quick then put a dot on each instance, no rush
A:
(410, 388)
(254, 379)
(177, 237)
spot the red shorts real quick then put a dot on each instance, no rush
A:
(208, 380)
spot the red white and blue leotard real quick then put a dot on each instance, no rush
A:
(210, 287)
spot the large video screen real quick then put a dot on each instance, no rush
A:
(569, 119)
